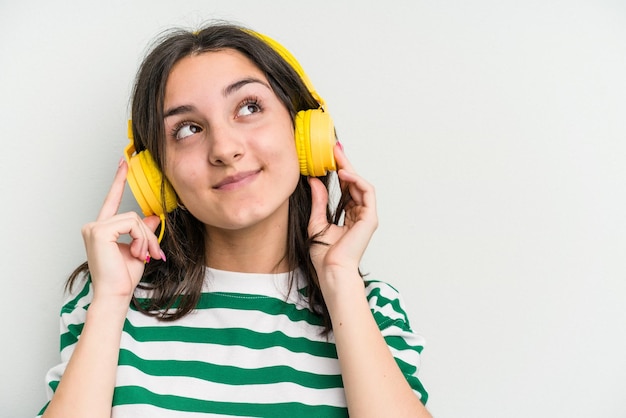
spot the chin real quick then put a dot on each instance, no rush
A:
(252, 217)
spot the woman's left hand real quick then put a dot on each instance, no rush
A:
(345, 243)
(373, 383)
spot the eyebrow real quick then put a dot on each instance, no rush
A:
(231, 88)
(228, 90)
(178, 110)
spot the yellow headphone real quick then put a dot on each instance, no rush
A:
(314, 135)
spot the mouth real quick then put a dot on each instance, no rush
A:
(237, 180)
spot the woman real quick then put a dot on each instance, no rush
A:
(252, 304)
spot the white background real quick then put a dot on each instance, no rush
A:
(494, 132)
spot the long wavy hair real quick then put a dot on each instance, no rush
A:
(176, 285)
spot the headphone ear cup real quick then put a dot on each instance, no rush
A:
(145, 181)
(315, 140)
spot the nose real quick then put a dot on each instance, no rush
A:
(225, 147)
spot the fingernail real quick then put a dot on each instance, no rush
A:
(147, 259)
(340, 145)
(163, 258)
(119, 164)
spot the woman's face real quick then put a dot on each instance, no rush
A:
(229, 146)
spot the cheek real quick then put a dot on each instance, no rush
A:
(292, 168)
(287, 158)
(181, 176)
(288, 146)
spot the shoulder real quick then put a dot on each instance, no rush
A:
(386, 304)
(79, 295)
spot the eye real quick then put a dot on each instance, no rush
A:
(186, 129)
(248, 107)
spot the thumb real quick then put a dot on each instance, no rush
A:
(152, 222)
(319, 201)
(154, 250)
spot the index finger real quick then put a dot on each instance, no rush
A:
(342, 160)
(113, 199)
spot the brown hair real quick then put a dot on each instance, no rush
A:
(176, 285)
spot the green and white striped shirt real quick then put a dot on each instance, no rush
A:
(251, 348)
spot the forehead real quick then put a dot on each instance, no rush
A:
(210, 69)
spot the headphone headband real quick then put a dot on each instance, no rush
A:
(293, 62)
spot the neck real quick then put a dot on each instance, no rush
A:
(256, 249)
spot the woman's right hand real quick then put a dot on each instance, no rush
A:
(88, 382)
(115, 267)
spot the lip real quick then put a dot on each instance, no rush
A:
(237, 180)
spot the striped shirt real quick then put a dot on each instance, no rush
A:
(251, 348)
